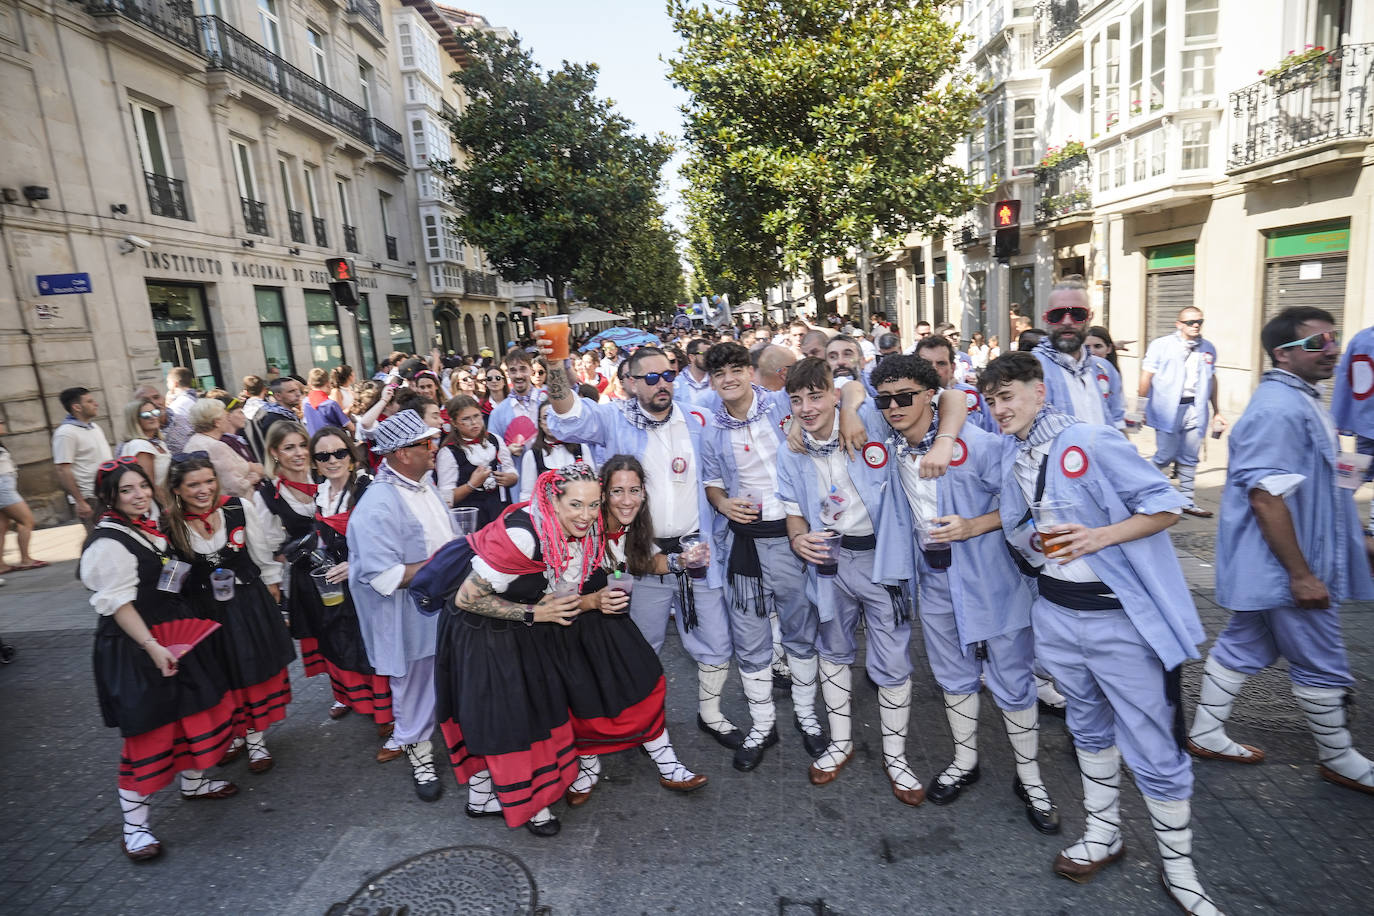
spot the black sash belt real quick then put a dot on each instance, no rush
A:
(1185, 401)
(686, 597)
(746, 572)
(1078, 596)
(858, 542)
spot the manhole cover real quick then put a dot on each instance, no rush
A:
(456, 881)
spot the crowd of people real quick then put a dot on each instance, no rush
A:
(497, 547)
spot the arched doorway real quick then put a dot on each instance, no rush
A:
(490, 335)
(470, 335)
(446, 320)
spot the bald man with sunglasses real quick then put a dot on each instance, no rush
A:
(1076, 382)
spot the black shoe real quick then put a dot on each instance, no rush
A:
(815, 744)
(1047, 710)
(429, 791)
(943, 793)
(746, 758)
(7, 656)
(733, 739)
(782, 683)
(1045, 823)
(546, 829)
(476, 813)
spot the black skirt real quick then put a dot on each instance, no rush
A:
(257, 644)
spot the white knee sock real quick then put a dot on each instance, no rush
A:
(193, 782)
(836, 691)
(1325, 711)
(542, 816)
(1220, 687)
(421, 757)
(1101, 805)
(588, 773)
(961, 710)
(758, 690)
(134, 808)
(779, 662)
(481, 794)
(894, 716)
(1023, 730)
(710, 684)
(1045, 691)
(665, 758)
(805, 672)
(257, 745)
(1171, 821)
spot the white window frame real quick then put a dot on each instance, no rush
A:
(342, 186)
(312, 197)
(1197, 48)
(270, 21)
(244, 172)
(384, 204)
(145, 148)
(1205, 146)
(288, 194)
(365, 77)
(1023, 134)
(319, 60)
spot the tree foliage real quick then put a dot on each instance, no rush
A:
(549, 173)
(837, 118)
(641, 268)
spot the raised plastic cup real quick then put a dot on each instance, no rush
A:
(331, 593)
(831, 549)
(1351, 468)
(696, 556)
(1051, 515)
(556, 331)
(222, 584)
(466, 518)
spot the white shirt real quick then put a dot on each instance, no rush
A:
(83, 446)
(110, 571)
(525, 543)
(446, 465)
(299, 503)
(846, 512)
(162, 458)
(1027, 471)
(756, 458)
(672, 495)
(1192, 373)
(920, 493)
(1088, 403)
(433, 517)
(257, 542)
(557, 457)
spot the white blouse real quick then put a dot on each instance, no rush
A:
(557, 457)
(110, 570)
(328, 502)
(524, 541)
(162, 458)
(258, 543)
(446, 465)
(275, 531)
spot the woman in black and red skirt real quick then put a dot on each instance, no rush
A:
(227, 547)
(517, 698)
(285, 503)
(338, 645)
(175, 710)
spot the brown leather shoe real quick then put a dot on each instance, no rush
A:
(262, 764)
(912, 797)
(821, 777)
(338, 712)
(1202, 753)
(1331, 775)
(145, 854)
(1198, 512)
(228, 790)
(234, 753)
(576, 799)
(387, 754)
(1083, 872)
(683, 785)
(385, 729)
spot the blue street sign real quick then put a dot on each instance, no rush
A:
(63, 284)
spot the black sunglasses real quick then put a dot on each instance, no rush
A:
(339, 454)
(1077, 312)
(1192, 322)
(653, 378)
(902, 399)
(496, 378)
(179, 457)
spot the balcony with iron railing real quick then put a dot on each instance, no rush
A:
(391, 249)
(295, 220)
(254, 216)
(370, 11)
(166, 196)
(387, 141)
(480, 283)
(321, 237)
(1322, 102)
(1055, 22)
(169, 18)
(1063, 189)
(350, 238)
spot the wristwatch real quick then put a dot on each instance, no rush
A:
(529, 615)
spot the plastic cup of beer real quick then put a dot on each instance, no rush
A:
(1051, 515)
(1351, 468)
(564, 587)
(222, 584)
(331, 593)
(555, 329)
(696, 555)
(828, 569)
(755, 500)
(938, 554)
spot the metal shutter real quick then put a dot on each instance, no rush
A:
(1283, 288)
(1166, 293)
(890, 295)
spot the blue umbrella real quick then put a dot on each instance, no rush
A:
(624, 338)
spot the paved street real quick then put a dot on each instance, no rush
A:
(1270, 839)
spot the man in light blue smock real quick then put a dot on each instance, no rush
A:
(1112, 618)
(396, 527)
(522, 400)
(1076, 382)
(1178, 377)
(1291, 551)
(693, 383)
(974, 603)
(1352, 398)
(667, 439)
(939, 352)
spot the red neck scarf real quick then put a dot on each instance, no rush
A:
(493, 544)
(615, 538)
(309, 489)
(480, 440)
(143, 523)
(205, 519)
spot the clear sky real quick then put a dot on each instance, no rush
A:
(626, 38)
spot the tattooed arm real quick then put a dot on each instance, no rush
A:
(559, 386)
(477, 596)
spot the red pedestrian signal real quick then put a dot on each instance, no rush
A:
(340, 270)
(343, 282)
(1006, 214)
(1006, 221)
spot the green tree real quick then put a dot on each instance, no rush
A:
(640, 268)
(549, 172)
(729, 250)
(840, 116)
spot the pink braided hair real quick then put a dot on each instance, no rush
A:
(553, 541)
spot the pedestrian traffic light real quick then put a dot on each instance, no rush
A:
(343, 282)
(1006, 222)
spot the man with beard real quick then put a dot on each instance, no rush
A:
(1292, 535)
(521, 401)
(1076, 382)
(693, 384)
(668, 440)
(845, 359)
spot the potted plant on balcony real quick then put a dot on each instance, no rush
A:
(1299, 69)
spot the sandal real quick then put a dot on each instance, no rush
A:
(24, 567)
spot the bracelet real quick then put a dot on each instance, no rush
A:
(945, 436)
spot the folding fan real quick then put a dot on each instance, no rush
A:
(520, 431)
(181, 636)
